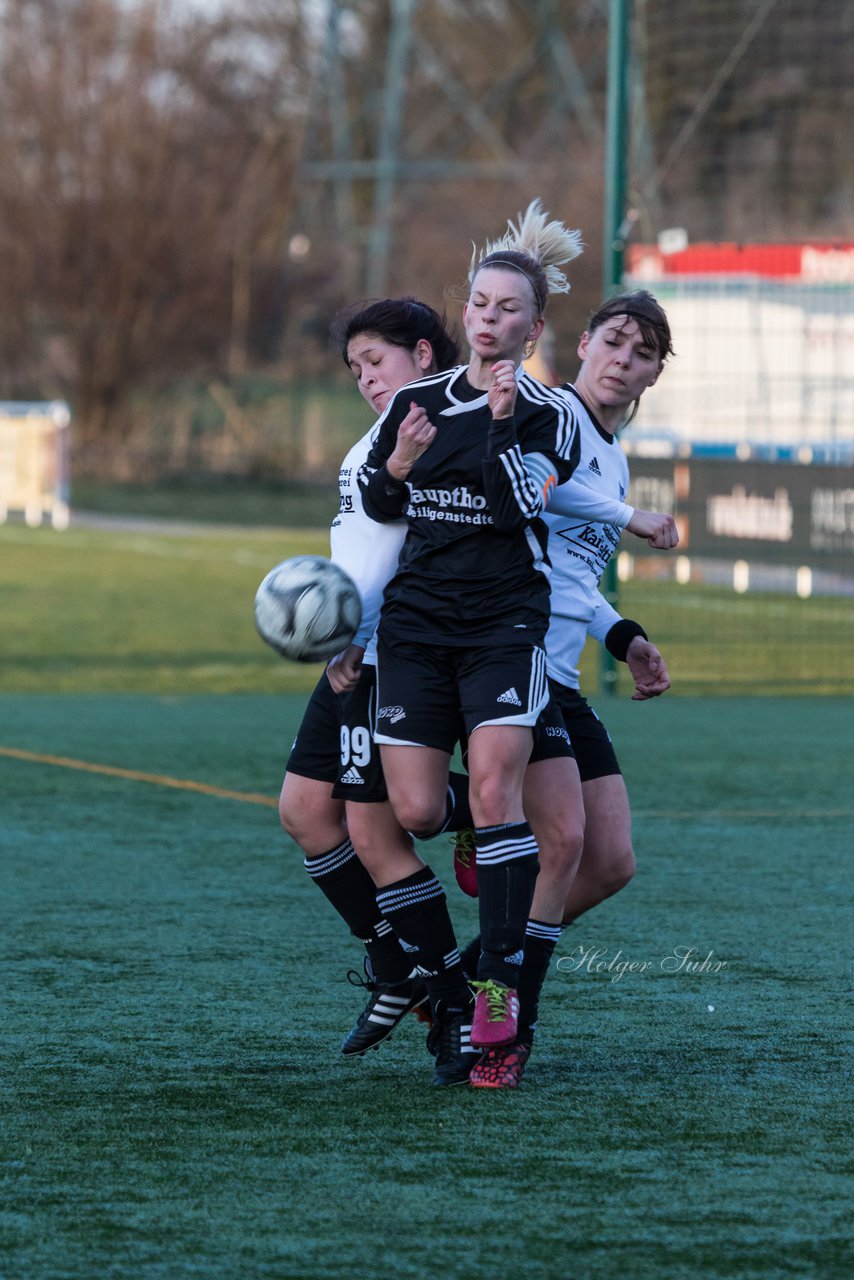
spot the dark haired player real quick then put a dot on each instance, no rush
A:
(333, 800)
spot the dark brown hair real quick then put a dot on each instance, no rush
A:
(641, 306)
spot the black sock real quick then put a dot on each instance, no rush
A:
(417, 911)
(540, 942)
(469, 957)
(457, 808)
(343, 879)
(460, 818)
(507, 869)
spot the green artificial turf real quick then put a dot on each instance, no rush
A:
(137, 609)
(175, 1105)
(147, 608)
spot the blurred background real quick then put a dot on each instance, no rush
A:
(190, 192)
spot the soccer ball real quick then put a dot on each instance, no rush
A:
(307, 609)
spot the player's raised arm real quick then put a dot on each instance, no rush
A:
(656, 527)
(574, 499)
(518, 480)
(414, 436)
(382, 480)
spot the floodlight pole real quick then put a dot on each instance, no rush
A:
(616, 141)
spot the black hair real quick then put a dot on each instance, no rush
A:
(641, 306)
(402, 322)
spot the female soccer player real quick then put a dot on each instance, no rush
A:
(333, 799)
(469, 458)
(622, 353)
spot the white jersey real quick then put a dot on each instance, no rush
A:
(368, 551)
(585, 518)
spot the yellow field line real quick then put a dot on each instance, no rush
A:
(250, 797)
(134, 775)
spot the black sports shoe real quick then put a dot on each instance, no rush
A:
(450, 1043)
(388, 1003)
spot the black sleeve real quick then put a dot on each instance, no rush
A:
(516, 483)
(501, 437)
(500, 484)
(383, 497)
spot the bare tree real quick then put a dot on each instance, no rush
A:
(148, 172)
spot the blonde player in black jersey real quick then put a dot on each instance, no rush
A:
(469, 459)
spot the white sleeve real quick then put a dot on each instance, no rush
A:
(364, 549)
(576, 500)
(369, 553)
(604, 618)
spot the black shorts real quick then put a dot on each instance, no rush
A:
(424, 689)
(551, 739)
(591, 744)
(335, 742)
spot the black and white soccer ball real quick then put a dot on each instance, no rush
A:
(307, 609)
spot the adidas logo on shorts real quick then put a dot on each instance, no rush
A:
(509, 696)
(352, 778)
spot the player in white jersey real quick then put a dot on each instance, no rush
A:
(333, 799)
(622, 351)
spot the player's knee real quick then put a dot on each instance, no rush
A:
(289, 817)
(421, 815)
(618, 870)
(315, 824)
(491, 800)
(560, 842)
(302, 832)
(627, 867)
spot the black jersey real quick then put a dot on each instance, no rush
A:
(473, 568)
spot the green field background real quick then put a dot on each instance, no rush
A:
(147, 606)
(175, 1104)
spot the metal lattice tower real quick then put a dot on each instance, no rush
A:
(377, 108)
